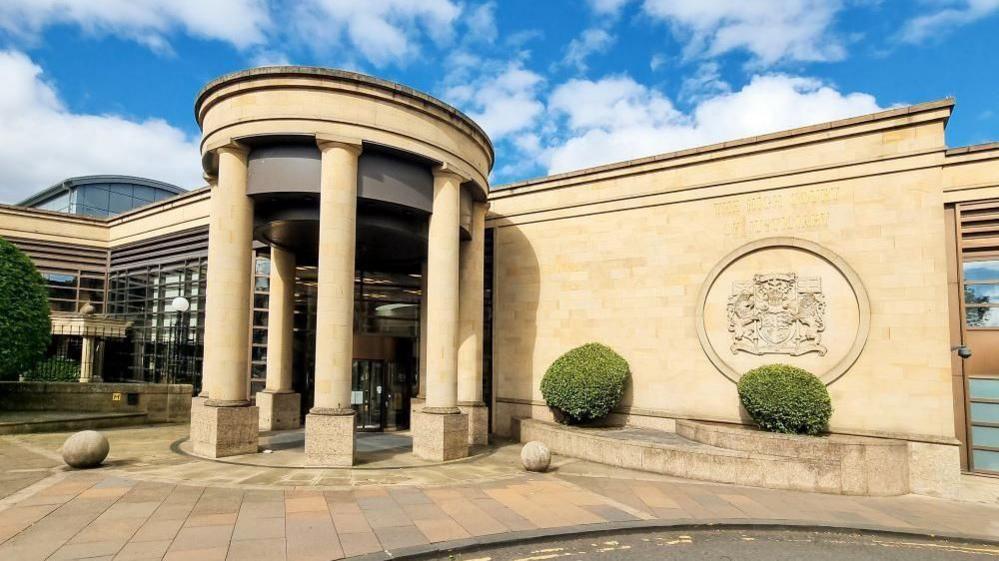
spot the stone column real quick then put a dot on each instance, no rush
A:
(226, 424)
(280, 406)
(470, 290)
(417, 402)
(442, 430)
(87, 359)
(423, 331)
(329, 426)
(200, 399)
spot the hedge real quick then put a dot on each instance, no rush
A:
(585, 384)
(786, 399)
(25, 329)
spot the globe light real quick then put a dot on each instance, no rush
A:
(180, 304)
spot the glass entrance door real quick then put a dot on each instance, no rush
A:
(367, 397)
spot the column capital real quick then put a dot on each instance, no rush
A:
(329, 141)
(210, 178)
(229, 145)
(445, 171)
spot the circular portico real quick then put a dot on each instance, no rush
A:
(339, 171)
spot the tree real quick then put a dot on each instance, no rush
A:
(973, 307)
(25, 327)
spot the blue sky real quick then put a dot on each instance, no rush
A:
(107, 86)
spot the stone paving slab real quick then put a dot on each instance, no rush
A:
(151, 503)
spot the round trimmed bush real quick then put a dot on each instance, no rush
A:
(25, 330)
(782, 398)
(585, 383)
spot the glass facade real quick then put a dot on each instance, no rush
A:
(103, 199)
(69, 290)
(110, 199)
(163, 345)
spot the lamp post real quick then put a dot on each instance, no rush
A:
(180, 305)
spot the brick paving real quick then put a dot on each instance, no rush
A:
(118, 513)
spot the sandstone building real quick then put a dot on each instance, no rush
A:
(350, 268)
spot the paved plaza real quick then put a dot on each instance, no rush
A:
(154, 501)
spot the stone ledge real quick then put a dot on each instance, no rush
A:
(94, 387)
(875, 470)
(161, 402)
(71, 422)
(748, 439)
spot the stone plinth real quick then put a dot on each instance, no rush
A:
(440, 437)
(329, 437)
(279, 410)
(217, 432)
(478, 423)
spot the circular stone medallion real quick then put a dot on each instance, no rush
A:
(783, 300)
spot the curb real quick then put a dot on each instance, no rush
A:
(467, 545)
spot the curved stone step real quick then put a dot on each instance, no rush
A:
(672, 454)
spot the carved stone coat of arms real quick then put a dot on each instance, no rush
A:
(777, 313)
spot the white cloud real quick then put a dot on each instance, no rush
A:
(502, 102)
(42, 142)
(381, 31)
(707, 81)
(657, 61)
(591, 41)
(266, 57)
(616, 118)
(948, 16)
(772, 30)
(607, 7)
(242, 23)
(481, 22)
(617, 101)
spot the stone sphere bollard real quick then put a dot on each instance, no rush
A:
(535, 456)
(85, 449)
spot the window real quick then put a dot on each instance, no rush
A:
(261, 300)
(981, 294)
(163, 345)
(69, 290)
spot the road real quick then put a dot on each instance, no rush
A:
(736, 545)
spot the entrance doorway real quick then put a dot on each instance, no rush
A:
(975, 257)
(380, 395)
(382, 374)
(385, 361)
(369, 397)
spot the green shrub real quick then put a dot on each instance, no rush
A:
(54, 369)
(585, 384)
(782, 398)
(25, 330)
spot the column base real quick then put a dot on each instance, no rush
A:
(478, 422)
(217, 432)
(279, 410)
(329, 437)
(415, 407)
(440, 436)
